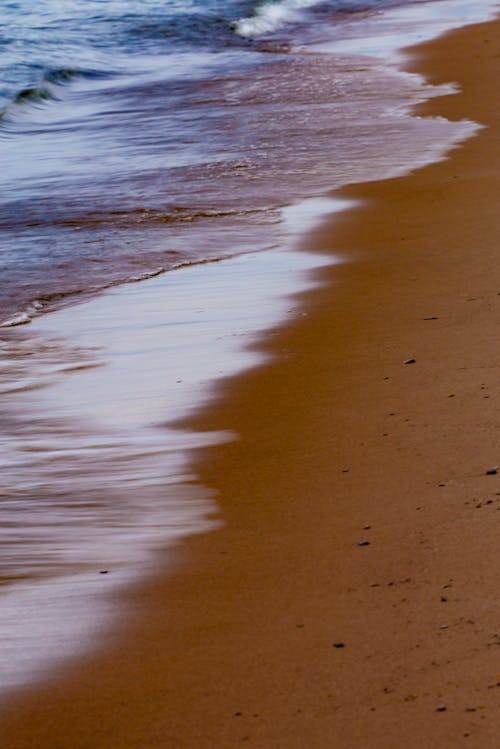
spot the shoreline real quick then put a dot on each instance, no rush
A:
(121, 372)
(330, 446)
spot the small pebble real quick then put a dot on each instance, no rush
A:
(441, 708)
(103, 572)
(443, 626)
(410, 361)
(363, 543)
(491, 471)
(338, 645)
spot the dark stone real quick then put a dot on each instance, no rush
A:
(338, 645)
(491, 471)
(441, 708)
(363, 543)
(410, 361)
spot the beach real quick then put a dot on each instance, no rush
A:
(349, 595)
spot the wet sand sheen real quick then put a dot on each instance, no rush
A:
(341, 442)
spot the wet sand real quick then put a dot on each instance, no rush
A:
(350, 600)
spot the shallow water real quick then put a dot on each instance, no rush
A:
(138, 137)
(94, 480)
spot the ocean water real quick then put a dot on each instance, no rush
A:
(141, 141)
(140, 136)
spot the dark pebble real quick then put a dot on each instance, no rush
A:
(441, 708)
(363, 543)
(430, 318)
(338, 645)
(410, 361)
(491, 471)
(103, 572)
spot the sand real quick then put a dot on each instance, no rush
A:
(280, 630)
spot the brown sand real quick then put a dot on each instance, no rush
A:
(338, 434)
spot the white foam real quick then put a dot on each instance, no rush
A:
(94, 480)
(270, 17)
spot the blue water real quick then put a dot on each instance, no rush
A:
(139, 136)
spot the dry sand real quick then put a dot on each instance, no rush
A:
(341, 442)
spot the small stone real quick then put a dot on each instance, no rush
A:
(103, 572)
(443, 626)
(431, 318)
(410, 361)
(338, 645)
(491, 471)
(441, 708)
(363, 543)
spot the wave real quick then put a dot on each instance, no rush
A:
(45, 89)
(52, 301)
(271, 16)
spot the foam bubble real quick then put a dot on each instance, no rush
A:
(270, 17)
